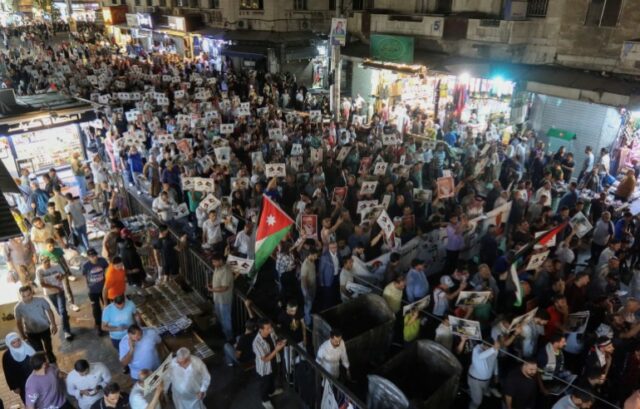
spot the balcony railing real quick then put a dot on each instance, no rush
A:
(537, 8)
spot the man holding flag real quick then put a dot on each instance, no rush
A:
(274, 225)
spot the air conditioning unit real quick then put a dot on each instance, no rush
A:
(243, 24)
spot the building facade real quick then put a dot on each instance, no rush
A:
(597, 35)
(560, 67)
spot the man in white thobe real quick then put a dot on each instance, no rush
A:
(86, 381)
(189, 379)
(332, 352)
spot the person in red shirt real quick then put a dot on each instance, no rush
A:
(558, 314)
(115, 282)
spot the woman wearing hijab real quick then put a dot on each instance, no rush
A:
(15, 363)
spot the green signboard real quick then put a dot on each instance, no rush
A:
(561, 134)
(392, 48)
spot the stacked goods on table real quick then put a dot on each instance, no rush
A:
(166, 305)
(202, 350)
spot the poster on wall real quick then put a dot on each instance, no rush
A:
(339, 31)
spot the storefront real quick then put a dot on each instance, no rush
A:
(113, 16)
(625, 149)
(309, 62)
(138, 34)
(85, 12)
(388, 88)
(171, 35)
(245, 56)
(40, 150)
(36, 140)
(208, 44)
(320, 67)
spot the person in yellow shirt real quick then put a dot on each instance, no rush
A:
(411, 326)
(392, 293)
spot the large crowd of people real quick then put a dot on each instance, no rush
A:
(163, 121)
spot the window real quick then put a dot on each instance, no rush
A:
(537, 8)
(162, 3)
(360, 4)
(194, 4)
(299, 4)
(444, 6)
(149, 3)
(251, 5)
(422, 6)
(137, 2)
(214, 4)
(603, 13)
(332, 4)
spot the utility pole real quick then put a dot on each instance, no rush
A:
(336, 68)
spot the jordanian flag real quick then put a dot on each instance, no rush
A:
(273, 226)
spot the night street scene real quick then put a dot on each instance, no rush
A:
(320, 204)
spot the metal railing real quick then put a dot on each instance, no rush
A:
(537, 8)
(196, 270)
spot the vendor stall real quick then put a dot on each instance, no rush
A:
(40, 150)
(471, 102)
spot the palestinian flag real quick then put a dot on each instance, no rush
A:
(516, 281)
(273, 226)
(543, 240)
(548, 236)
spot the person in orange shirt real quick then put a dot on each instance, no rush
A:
(115, 282)
(626, 187)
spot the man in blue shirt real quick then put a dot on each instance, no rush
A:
(624, 225)
(451, 137)
(117, 317)
(39, 199)
(138, 350)
(93, 271)
(328, 271)
(570, 198)
(417, 284)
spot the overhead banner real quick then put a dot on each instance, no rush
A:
(392, 48)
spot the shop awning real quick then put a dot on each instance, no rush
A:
(10, 106)
(561, 134)
(37, 111)
(555, 81)
(300, 53)
(301, 37)
(170, 32)
(245, 51)
(210, 32)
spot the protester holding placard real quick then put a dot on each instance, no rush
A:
(229, 138)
